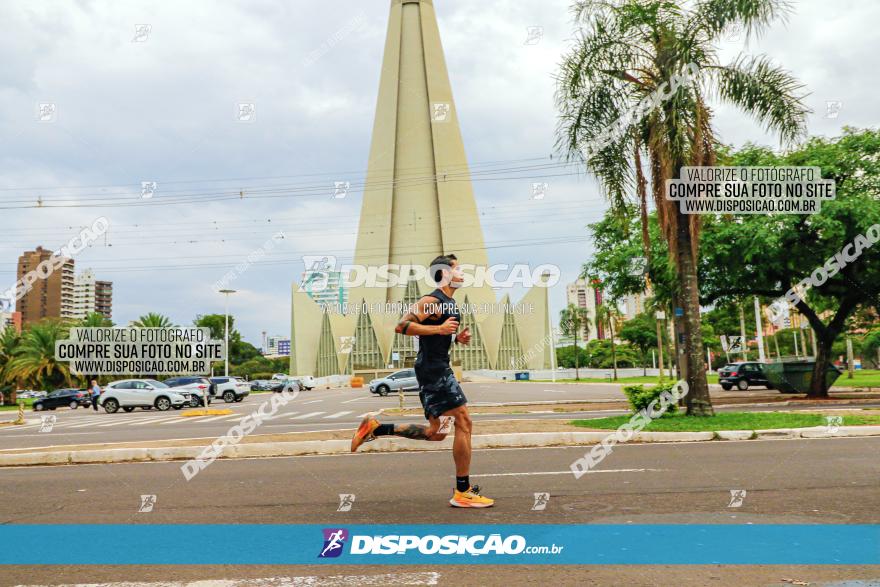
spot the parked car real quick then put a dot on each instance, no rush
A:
(72, 398)
(405, 379)
(231, 389)
(129, 394)
(292, 382)
(199, 388)
(308, 382)
(742, 375)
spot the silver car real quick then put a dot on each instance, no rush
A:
(404, 379)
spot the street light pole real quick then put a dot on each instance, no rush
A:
(226, 293)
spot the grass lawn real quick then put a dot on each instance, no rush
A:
(27, 405)
(730, 421)
(861, 378)
(650, 380)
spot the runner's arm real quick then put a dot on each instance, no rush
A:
(411, 323)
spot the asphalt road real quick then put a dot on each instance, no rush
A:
(834, 481)
(310, 411)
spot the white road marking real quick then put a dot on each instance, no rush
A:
(125, 421)
(555, 390)
(226, 417)
(309, 415)
(179, 419)
(314, 401)
(337, 415)
(357, 399)
(415, 578)
(569, 472)
(156, 419)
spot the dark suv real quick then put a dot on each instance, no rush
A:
(72, 398)
(742, 375)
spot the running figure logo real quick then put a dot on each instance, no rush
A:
(334, 541)
(541, 500)
(737, 496)
(346, 500)
(147, 503)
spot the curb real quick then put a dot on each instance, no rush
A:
(394, 444)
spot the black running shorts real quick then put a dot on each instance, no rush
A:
(441, 395)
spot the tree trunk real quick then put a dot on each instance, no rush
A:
(697, 399)
(818, 387)
(613, 350)
(577, 372)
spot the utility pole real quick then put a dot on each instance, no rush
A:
(226, 293)
(759, 330)
(660, 315)
(850, 367)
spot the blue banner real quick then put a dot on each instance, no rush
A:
(537, 544)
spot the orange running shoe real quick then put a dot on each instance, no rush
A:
(470, 499)
(364, 432)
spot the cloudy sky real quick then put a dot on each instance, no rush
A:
(160, 103)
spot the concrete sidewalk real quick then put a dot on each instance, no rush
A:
(338, 442)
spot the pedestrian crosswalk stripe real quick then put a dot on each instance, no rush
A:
(226, 417)
(156, 419)
(309, 415)
(338, 415)
(178, 420)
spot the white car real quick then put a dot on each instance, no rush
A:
(196, 389)
(129, 394)
(231, 389)
(307, 381)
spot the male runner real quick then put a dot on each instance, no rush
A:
(434, 319)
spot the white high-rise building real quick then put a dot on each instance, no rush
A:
(83, 294)
(584, 295)
(91, 295)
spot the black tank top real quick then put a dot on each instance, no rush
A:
(433, 358)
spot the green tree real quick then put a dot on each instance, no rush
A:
(153, 320)
(641, 332)
(757, 255)
(9, 341)
(33, 362)
(95, 320)
(608, 314)
(634, 50)
(572, 320)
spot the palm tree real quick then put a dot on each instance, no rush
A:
(632, 50)
(572, 320)
(608, 314)
(95, 320)
(153, 320)
(33, 363)
(9, 341)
